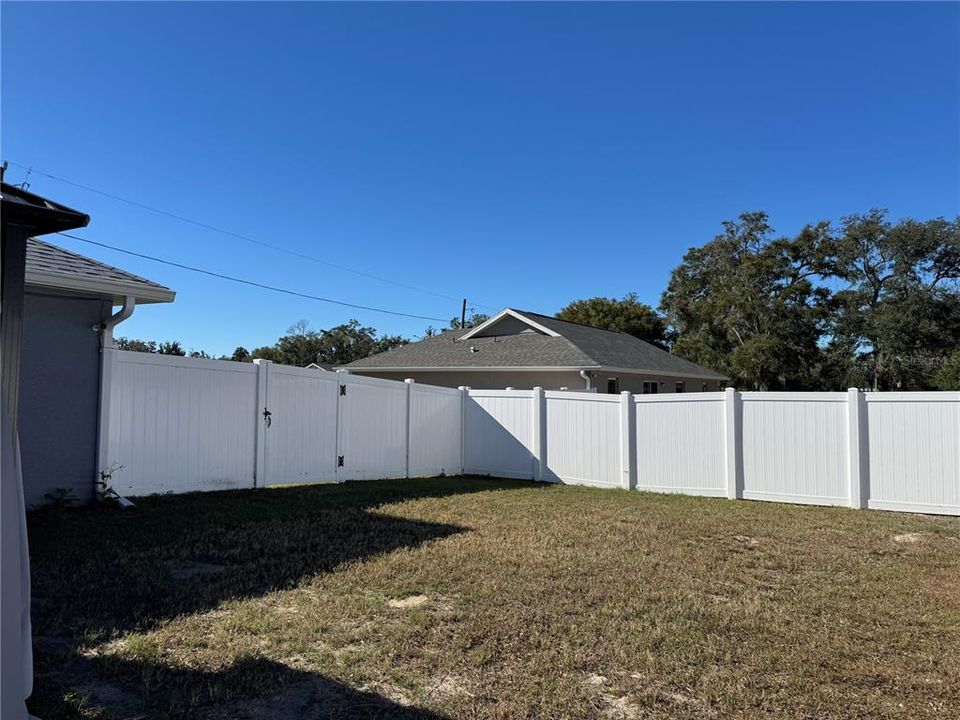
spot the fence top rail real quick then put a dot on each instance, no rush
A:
(581, 396)
(501, 393)
(133, 357)
(920, 396)
(837, 397)
(351, 379)
(309, 373)
(433, 390)
(680, 397)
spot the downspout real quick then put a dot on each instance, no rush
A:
(107, 348)
(129, 304)
(587, 379)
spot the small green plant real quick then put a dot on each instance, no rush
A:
(105, 489)
(61, 498)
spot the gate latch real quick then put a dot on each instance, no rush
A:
(267, 416)
(339, 460)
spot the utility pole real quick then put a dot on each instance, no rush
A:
(463, 314)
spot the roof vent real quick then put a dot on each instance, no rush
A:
(473, 348)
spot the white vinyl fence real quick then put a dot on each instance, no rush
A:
(180, 424)
(890, 451)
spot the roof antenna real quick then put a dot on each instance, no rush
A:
(24, 185)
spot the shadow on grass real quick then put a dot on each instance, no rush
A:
(100, 572)
(250, 689)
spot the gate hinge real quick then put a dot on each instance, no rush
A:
(343, 389)
(339, 460)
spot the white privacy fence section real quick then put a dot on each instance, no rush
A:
(584, 439)
(498, 433)
(795, 447)
(894, 451)
(914, 460)
(681, 444)
(178, 424)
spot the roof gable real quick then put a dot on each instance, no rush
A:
(508, 322)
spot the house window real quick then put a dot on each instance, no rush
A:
(704, 387)
(651, 387)
(613, 386)
(678, 387)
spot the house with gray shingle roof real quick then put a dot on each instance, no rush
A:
(521, 349)
(68, 316)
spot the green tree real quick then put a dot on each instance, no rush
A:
(240, 354)
(899, 312)
(751, 306)
(134, 345)
(171, 347)
(948, 377)
(628, 315)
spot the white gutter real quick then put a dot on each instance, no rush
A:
(129, 305)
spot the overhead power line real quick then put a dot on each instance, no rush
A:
(252, 283)
(238, 236)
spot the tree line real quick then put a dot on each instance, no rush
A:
(867, 303)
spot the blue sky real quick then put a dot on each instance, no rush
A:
(521, 155)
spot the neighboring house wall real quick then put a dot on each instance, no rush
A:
(60, 394)
(520, 380)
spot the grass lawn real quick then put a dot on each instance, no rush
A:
(464, 598)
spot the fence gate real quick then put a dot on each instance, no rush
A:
(372, 428)
(299, 425)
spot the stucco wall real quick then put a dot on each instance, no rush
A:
(59, 394)
(546, 380)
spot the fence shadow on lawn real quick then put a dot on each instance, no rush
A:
(99, 572)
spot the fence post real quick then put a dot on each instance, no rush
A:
(539, 433)
(464, 398)
(409, 383)
(857, 452)
(628, 433)
(732, 417)
(262, 420)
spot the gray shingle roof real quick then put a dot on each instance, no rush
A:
(54, 267)
(577, 346)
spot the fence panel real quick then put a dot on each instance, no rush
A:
(583, 439)
(372, 428)
(499, 433)
(914, 451)
(680, 443)
(301, 439)
(795, 447)
(180, 424)
(435, 431)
